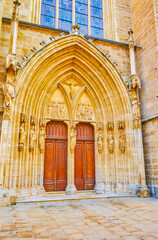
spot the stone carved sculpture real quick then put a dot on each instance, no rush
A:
(33, 134)
(122, 141)
(75, 28)
(22, 138)
(11, 62)
(84, 111)
(22, 132)
(100, 142)
(8, 93)
(136, 108)
(100, 127)
(72, 137)
(134, 82)
(32, 139)
(15, 14)
(71, 84)
(56, 109)
(111, 142)
(42, 134)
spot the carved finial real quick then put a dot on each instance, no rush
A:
(75, 28)
(131, 39)
(15, 14)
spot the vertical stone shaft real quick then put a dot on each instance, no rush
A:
(14, 27)
(131, 53)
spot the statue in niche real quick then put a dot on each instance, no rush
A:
(42, 136)
(32, 139)
(71, 84)
(84, 111)
(100, 142)
(122, 141)
(8, 93)
(111, 142)
(22, 137)
(72, 138)
(136, 108)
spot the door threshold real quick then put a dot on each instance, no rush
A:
(64, 192)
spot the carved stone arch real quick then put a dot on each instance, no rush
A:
(106, 90)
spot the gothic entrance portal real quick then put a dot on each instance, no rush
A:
(55, 164)
(84, 157)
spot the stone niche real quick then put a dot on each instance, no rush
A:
(57, 108)
(84, 109)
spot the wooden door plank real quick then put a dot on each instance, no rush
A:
(79, 151)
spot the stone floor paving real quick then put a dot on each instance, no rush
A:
(101, 219)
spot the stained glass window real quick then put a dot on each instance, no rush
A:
(48, 13)
(82, 14)
(65, 14)
(96, 18)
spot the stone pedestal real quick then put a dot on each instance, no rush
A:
(71, 189)
(100, 188)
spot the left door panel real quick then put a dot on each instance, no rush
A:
(49, 166)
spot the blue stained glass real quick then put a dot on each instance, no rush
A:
(97, 22)
(96, 32)
(81, 19)
(49, 2)
(66, 4)
(81, 8)
(96, 12)
(96, 3)
(83, 29)
(48, 10)
(65, 15)
(82, 1)
(65, 24)
(47, 21)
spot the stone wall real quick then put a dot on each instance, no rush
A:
(150, 136)
(145, 29)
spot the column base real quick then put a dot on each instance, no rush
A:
(143, 192)
(99, 188)
(71, 189)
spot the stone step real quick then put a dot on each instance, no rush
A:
(76, 197)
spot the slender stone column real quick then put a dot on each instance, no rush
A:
(100, 186)
(134, 85)
(42, 135)
(71, 189)
(14, 27)
(132, 53)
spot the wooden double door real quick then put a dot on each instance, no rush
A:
(84, 157)
(55, 164)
